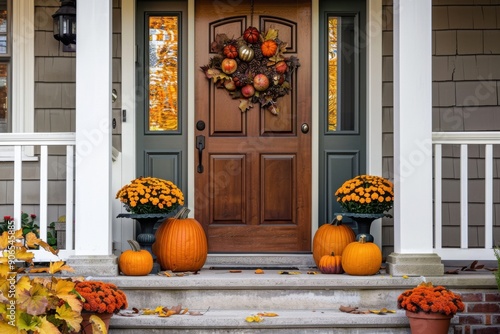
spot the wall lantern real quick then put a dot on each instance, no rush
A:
(65, 23)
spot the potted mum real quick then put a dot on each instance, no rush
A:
(99, 299)
(148, 200)
(430, 308)
(365, 198)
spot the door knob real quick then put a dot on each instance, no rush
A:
(304, 128)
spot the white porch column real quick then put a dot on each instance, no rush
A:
(413, 237)
(93, 239)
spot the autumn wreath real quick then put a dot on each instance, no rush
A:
(101, 297)
(430, 299)
(252, 68)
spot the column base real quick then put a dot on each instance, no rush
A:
(414, 265)
(94, 265)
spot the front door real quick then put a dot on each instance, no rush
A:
(253, 168)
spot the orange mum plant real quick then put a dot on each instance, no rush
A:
(150, 195)
(366, 194)
(430, 299)
(101, 297)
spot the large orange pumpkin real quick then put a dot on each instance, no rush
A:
(330, 238)
(361, 258)
(135, 261)
(181, 243)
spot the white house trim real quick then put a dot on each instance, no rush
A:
(413, 126)
(23, 65)
(93, 129)
(22, 52)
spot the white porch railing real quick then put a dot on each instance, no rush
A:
(22, 144)
(464, 139)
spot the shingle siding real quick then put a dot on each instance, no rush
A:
(465, 97)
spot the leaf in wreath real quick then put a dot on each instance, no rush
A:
(271, 34)
(245, 104)
(236, 94)
(282, 47)
(293, 62)
(273, 60)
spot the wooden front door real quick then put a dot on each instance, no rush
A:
(253, 181)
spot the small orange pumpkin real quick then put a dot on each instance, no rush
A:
(361, 258)
(269, 48)
(181, 243)
(251, 35)
(135, 261)
(330, 238)
(331, 264)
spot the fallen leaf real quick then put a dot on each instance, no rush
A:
(259, 271)
(312, 272)
(164, 273)
(177, 309)
(253, 318)
(289, 272)
(405, 276)
(195, 313)
(268, 314)
(235, 271)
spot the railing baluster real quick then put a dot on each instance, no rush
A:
(438, 215)
(464, 201)
(44, 178)
(488, 196)
(18, 182)
(70, 168)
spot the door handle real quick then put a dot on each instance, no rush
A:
(200, 145)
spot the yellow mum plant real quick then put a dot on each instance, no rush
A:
(150, 195)
(366, 194)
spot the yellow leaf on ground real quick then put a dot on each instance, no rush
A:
(268, 314)
(259, 271)
(253, 318)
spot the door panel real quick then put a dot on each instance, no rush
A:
(254, 194)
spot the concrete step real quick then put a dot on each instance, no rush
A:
(221, 289)
(306, 303)
(287, 321)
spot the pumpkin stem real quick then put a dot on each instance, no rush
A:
(182, 213)
(337, 220)
(333, 254)
(134, 245)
